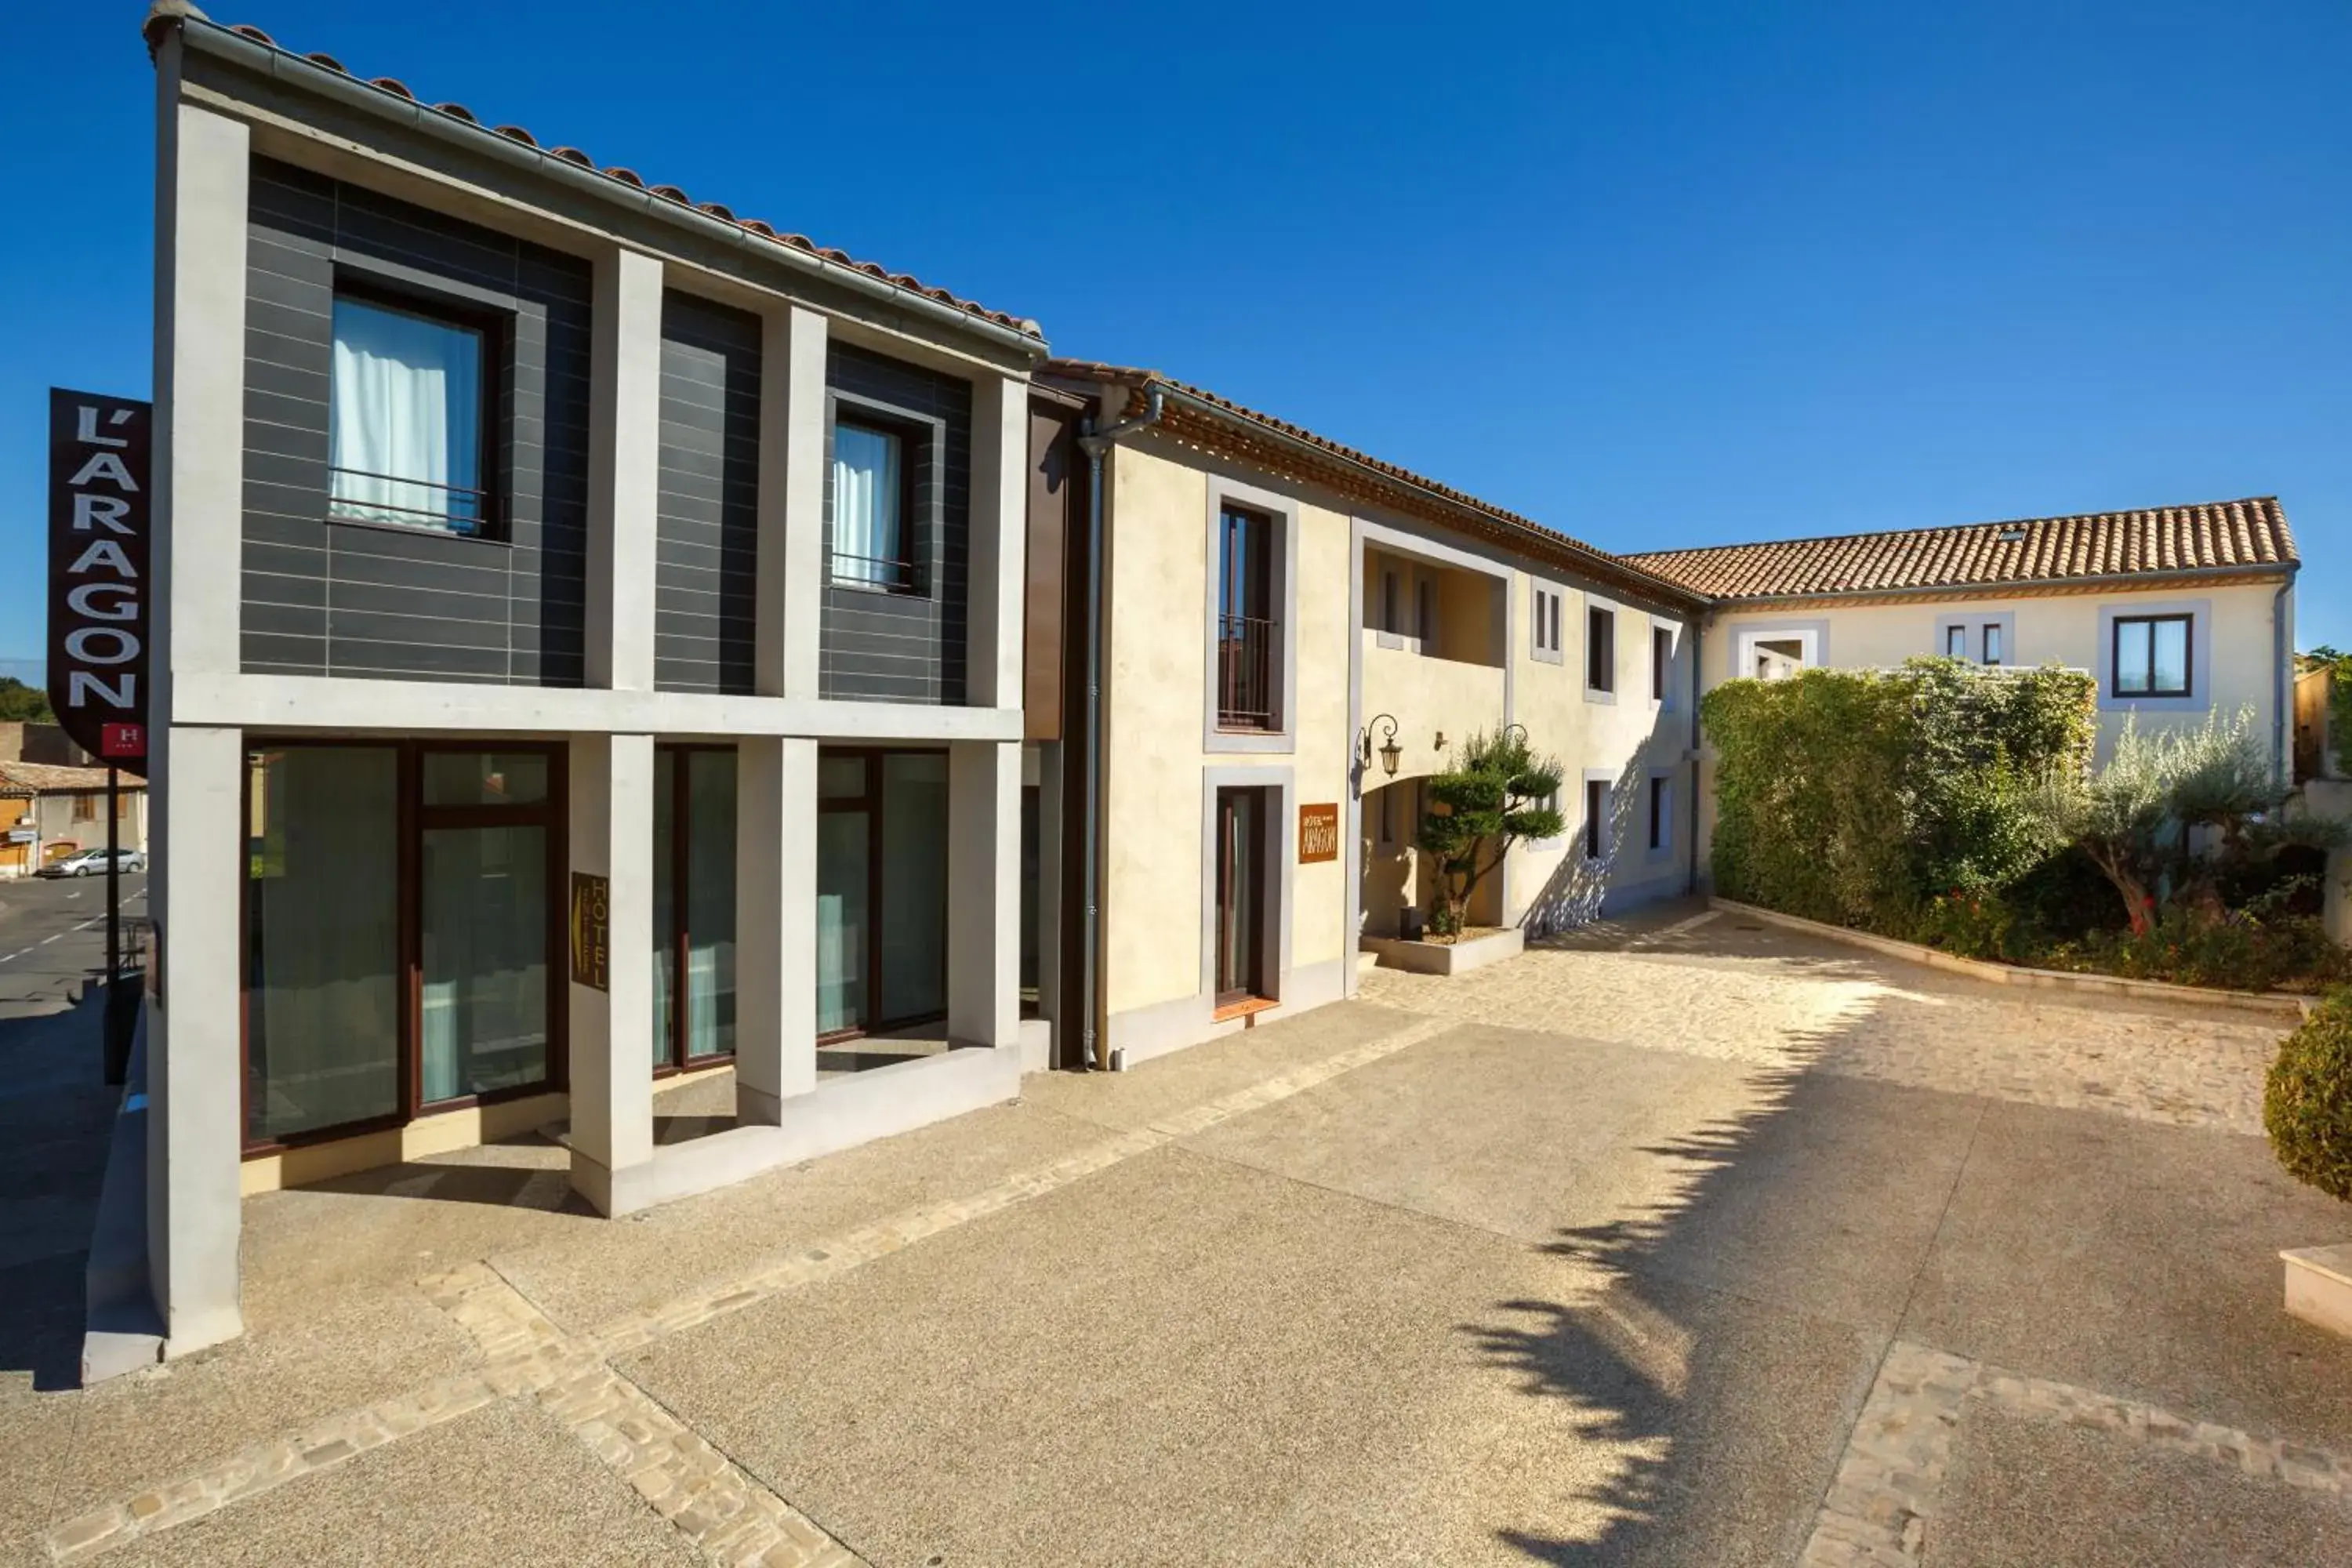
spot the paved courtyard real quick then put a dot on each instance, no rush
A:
(1687, 1242)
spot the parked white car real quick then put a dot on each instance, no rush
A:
(92, 863)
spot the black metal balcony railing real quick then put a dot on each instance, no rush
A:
(359, 495)
(1247, 648)
(872, 571)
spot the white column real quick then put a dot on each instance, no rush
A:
(612, 818)
(1000, 504)
(775, 925)
(791, 556)
(624, 479)
(195, 1068)
(199, 461)
(984, 901)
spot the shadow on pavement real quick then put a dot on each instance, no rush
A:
(56, 1114)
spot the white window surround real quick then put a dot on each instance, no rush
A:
(1282, 737)
(1548, 618)
(1972, 624)
(2201, 656)
(1661, 788)
(1584, 817)
(1617, 616)
(1812, 638)
(1673, 630)
(1276, 868)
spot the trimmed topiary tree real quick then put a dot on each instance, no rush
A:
(2308, 1101)
(1499, 794)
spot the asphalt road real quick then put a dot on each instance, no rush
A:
(55, 1111)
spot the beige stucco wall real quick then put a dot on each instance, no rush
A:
(1158, 587)
(2234, 625)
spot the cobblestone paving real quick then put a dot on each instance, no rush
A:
(1881, 1511)
(1695, 988)
(732, 1520)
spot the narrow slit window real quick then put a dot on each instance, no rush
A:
(1662, 661)
(1600, 650)
(1596, 808)
(1992, 648)
(1956, 642)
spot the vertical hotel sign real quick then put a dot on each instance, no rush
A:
(100, 503)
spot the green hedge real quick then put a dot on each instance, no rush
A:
(2307, 1100)
(1857, 796)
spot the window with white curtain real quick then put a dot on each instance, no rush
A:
(405, 418)
(869, 525)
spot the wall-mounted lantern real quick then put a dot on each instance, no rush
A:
(1390, 753)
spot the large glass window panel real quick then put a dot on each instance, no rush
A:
(711, 904)
(913, 936)
(485, 778)
(868, 476)
(2170, 660)
(2131, 655)
(322, 950)
(484, 1021)
(843, 884)
(405, 418)
(665, 905)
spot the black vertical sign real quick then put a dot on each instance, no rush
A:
(100, 504)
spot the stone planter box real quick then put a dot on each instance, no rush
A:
(2319, 1286)
(1446, 957)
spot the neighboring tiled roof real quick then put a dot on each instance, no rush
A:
(43, 778)
(2177, 540)
(394, 87)
(1138, 379)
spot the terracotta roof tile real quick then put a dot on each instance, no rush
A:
(1618, 566)
(22, 778)
(2176, 540)
(397, 89)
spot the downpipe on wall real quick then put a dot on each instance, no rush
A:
(1096, 444)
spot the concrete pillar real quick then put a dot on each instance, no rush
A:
(1000, 500)
(195, 1068)
(624, 479)
(985, 901)
(775, 925)
(791, 557)
(612, 817)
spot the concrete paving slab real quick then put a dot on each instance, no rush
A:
(501, 1486)
(2028, 1493)
(1183, 1360)
(1198, 1073)
(1522, 1133)
(2137, 1259)
(585, 1274)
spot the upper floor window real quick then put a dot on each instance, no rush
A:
(870, 474)
(1548, 606)
(407, 431)
(1956, 641)
(1249, 638)
(1662, 661)
(1992, 651)
(1601, 649)
(2152, 656)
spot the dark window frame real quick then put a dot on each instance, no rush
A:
(915, 455)
(868, 803)
(413, 819)
(1662, 663)
(1994, 653)
(676, 1057)
(1596, 809)
(1262, 536)
(494, 332)
(1256, 986)
(1659, 804)
(2187, 687)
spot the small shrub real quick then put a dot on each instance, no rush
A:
(2307, 1100)
(2244, 950)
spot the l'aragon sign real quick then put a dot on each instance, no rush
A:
(99, 513)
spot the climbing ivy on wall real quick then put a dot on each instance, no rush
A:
(1856, 796)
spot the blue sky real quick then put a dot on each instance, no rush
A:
(1655, 274)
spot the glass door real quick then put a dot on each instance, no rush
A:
(881, 889)
(694, 906)
(484, 936)
(1239, 892)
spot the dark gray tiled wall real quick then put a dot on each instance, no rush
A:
(905, 647)
(708, 521)
(352, 599)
